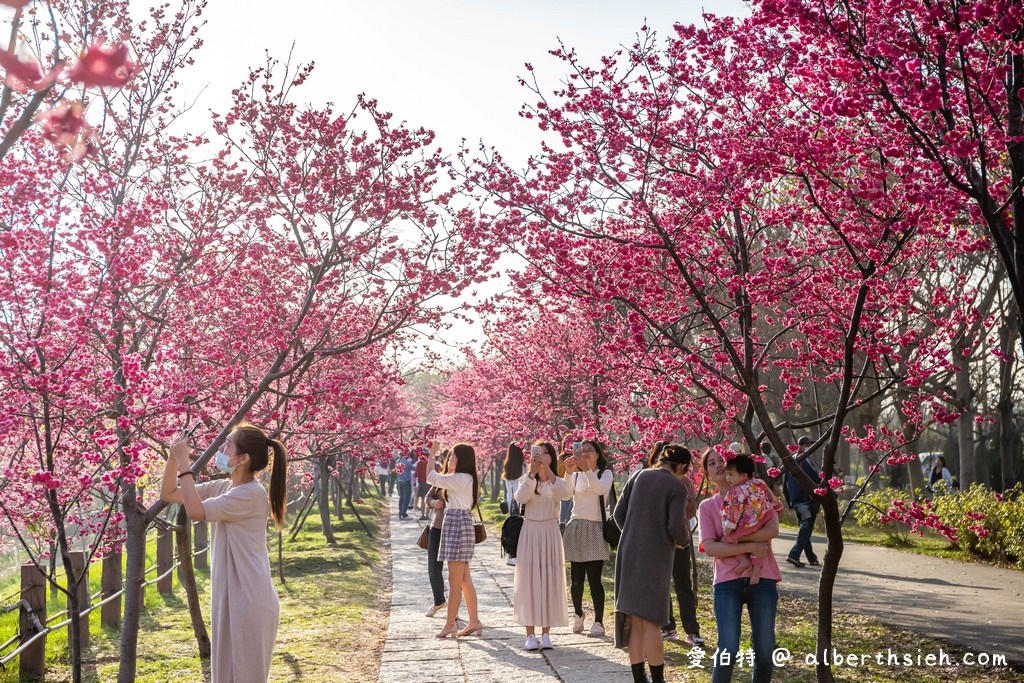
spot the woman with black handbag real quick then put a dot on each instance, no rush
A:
(539, 589)
(589, 479)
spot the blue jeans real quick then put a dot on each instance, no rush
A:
(806, 513)
(404, 498)
(435, 568)
(762, 601)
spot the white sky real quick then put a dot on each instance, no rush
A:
(448, 65)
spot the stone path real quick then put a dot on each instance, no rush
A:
(412, 654)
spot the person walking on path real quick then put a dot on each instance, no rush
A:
(421, 487)
(435, 568)
(804, 505)
(245, 609)
(539, 588)
(652, 516)
(731, 591)
(461, 493)
(589, 480)
(405, 468)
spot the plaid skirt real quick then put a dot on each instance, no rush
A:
(457, 538)
(584, 541)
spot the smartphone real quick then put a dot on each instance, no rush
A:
(192, 431)
(535, 451)
(577, 447)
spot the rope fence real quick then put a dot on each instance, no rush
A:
(43, 629)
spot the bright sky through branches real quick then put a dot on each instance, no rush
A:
(448, 65)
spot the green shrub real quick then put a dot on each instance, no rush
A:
(988, 524)
(869, 511)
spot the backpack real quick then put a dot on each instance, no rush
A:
(510, 530)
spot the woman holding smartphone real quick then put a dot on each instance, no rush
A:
(461, 493)
(589, 480)
(539, 590)
(245, 609)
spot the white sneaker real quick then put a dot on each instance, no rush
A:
(597, 629)
(510, 561)
(434, 609)
(531, 643)
(577, 623)
(545, 642)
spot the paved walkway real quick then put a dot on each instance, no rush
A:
(972, 604)
(412, 654)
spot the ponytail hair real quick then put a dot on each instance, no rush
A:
(278, 483)
(251, 440)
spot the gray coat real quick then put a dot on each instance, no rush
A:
(652, 515)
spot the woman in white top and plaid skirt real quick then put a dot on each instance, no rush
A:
(461, 490)
(590, 479)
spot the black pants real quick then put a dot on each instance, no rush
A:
(435, 568)
(683, 580)
(592, 572)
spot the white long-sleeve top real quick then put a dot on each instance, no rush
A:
(544, 502)
(586, 487)
(459, 487)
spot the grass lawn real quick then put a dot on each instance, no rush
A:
(334, 603)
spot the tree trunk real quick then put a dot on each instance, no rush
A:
(187, 575)
(826, 585)
(965, 423)
(324, 501)
(135, 574)
(1008, 332)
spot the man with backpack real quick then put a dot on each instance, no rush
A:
(806, 507)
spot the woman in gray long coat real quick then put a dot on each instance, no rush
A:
(652, 516)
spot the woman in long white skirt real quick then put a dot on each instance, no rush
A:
(539, 592)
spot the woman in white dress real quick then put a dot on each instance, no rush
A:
(245, 609)
(539, 591)
(462, 490)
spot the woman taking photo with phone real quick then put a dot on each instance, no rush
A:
(589, 480)
(461, 492)
(539, 589)
(245, 610)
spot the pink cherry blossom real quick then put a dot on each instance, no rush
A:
(103, 65)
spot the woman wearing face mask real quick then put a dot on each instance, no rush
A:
(245, 608)
(539, 589)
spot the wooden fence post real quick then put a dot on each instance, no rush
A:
(201, 542)
(164, 559)
(81, 571)
(32, 662)
(110, 583)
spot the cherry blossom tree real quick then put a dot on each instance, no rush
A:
(756, 238)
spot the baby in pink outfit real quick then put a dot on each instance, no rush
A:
(745, 509)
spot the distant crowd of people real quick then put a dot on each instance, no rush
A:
(564, 496)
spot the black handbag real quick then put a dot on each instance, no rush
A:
(609, 529)
(510, 530)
